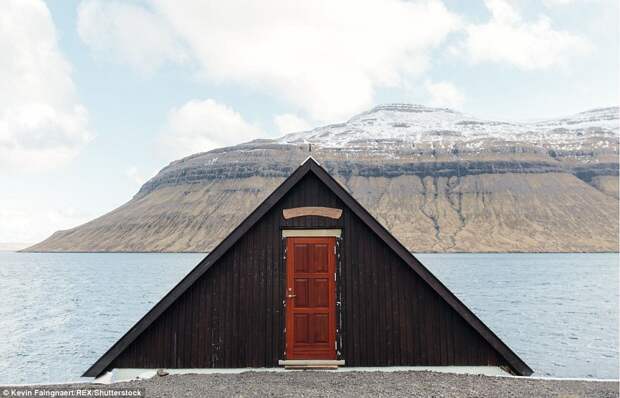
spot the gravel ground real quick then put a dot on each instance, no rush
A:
(360, 384)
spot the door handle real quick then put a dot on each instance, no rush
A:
(291, 295)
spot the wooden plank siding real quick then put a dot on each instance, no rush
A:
(232, 316)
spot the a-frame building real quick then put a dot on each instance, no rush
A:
(309, 275)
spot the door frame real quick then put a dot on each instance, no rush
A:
(288, 237)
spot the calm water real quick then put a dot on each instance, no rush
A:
(60, 312)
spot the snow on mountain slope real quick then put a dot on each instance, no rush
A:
(442, 128)
(439, 180)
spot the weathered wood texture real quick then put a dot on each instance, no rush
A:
(233, 315)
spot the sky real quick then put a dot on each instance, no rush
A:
(96, 96)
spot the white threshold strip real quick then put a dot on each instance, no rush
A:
(310, 362)
(127, 374)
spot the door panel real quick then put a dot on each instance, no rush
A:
(301, 257)
(319, 293)
(319, 328)
(311, 298)
(301, 291)
(301, 326)
(318, 258)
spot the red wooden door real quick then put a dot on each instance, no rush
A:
(311, 298)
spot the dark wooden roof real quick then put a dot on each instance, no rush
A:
(309, 166)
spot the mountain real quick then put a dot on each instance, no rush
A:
(438, 179)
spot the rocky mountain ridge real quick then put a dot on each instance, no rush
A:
(438, 179)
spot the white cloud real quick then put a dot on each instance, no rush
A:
(552, 3)
(138, 176)
(289, 123)
(506, 37)
(129, 33)
(444, 94)
(592, 3)
(25, 220)
(199, 126)
(42, 124)
(325, 57)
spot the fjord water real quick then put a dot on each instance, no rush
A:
(60, 311)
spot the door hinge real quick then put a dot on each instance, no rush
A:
(334, 277)
(334, 249)
(335, 345)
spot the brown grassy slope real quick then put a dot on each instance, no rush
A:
(545, 212)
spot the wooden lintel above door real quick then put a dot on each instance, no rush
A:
(328, 212)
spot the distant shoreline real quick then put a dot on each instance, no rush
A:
(14, 246)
